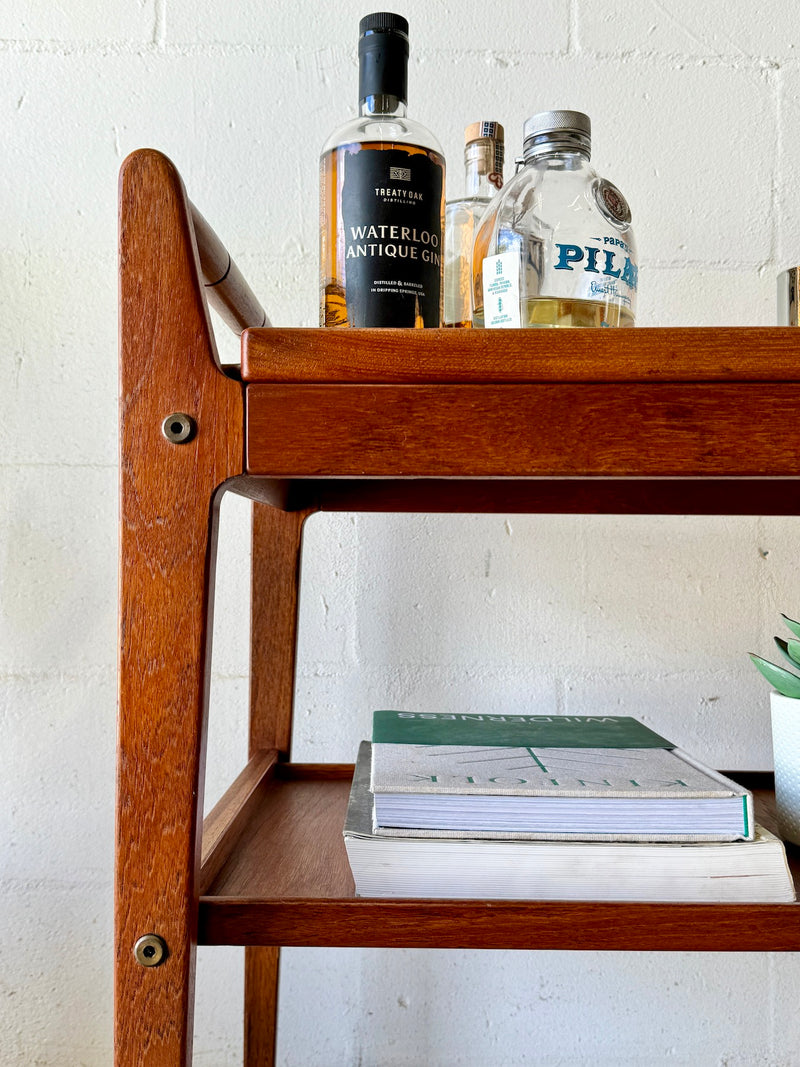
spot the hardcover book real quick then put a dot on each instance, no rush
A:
(602, 778)
(502, 869)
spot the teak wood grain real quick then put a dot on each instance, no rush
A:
(665, 421)
(275, 589)
(225, 824)
(308, 897)
(556, 430)
(276, 549)
(226, 288)
(518, 356)
(261, 974)
(503, 924)
(168, 508)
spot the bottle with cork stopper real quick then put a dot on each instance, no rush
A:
(484, 147)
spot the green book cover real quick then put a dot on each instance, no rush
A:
(555, 776)
(514, 731)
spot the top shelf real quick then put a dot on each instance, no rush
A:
(681, 421)
(764, 354)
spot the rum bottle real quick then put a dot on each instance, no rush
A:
(556, 247)
(382, 183)
(484, 147)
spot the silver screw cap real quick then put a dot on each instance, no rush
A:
(556, 129)
(557, 122)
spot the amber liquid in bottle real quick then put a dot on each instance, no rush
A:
(334, 241)
(556, 248)
(382, 186)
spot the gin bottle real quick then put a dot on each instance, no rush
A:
(484, 148)
(556, 247)
(382, 182)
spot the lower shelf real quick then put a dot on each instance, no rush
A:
(288, 882)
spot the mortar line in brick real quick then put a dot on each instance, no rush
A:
(177, 49)
(91, 672)
(718, 265)
(779, 83)
(58, 465)
(160, 24)
(573, 29)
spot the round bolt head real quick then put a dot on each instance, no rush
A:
(178, 428)
(150, 950)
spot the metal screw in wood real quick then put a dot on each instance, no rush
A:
(150, 950)
(178, 428)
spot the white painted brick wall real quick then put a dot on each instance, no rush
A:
(695, 114)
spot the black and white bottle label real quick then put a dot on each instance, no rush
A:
(391, 214)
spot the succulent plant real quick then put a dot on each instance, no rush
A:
(786, 682)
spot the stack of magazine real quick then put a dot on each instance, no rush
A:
(524, 807)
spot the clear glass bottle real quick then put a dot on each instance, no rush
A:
(382, 185)
(556, 247)
(484, 147)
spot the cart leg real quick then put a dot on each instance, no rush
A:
(261, 1004)
(170, 483)
(277, 545)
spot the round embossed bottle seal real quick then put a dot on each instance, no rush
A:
(611, 202)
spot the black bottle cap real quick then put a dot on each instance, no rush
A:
(383, 56)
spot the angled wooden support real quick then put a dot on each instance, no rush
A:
(277, 546)
(181, 434)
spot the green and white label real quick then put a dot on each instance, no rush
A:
(501, 291)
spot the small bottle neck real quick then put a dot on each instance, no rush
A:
(481, 175)
(558, 160)
(383, 105)
(570, 150)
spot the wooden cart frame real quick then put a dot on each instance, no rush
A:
(644, 421)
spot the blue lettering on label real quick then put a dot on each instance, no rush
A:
(612, 265)
(567, 255)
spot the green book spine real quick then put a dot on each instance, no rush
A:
(515, 731)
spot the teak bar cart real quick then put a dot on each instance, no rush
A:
(658, 421)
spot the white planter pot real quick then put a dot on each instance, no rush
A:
(786, 755)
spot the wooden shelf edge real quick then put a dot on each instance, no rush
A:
(239, 913)
(744, 353)
(557, 429)
(602, 925)
(224, 824)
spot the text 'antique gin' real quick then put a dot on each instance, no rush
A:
(556, 247)
(382, 184)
